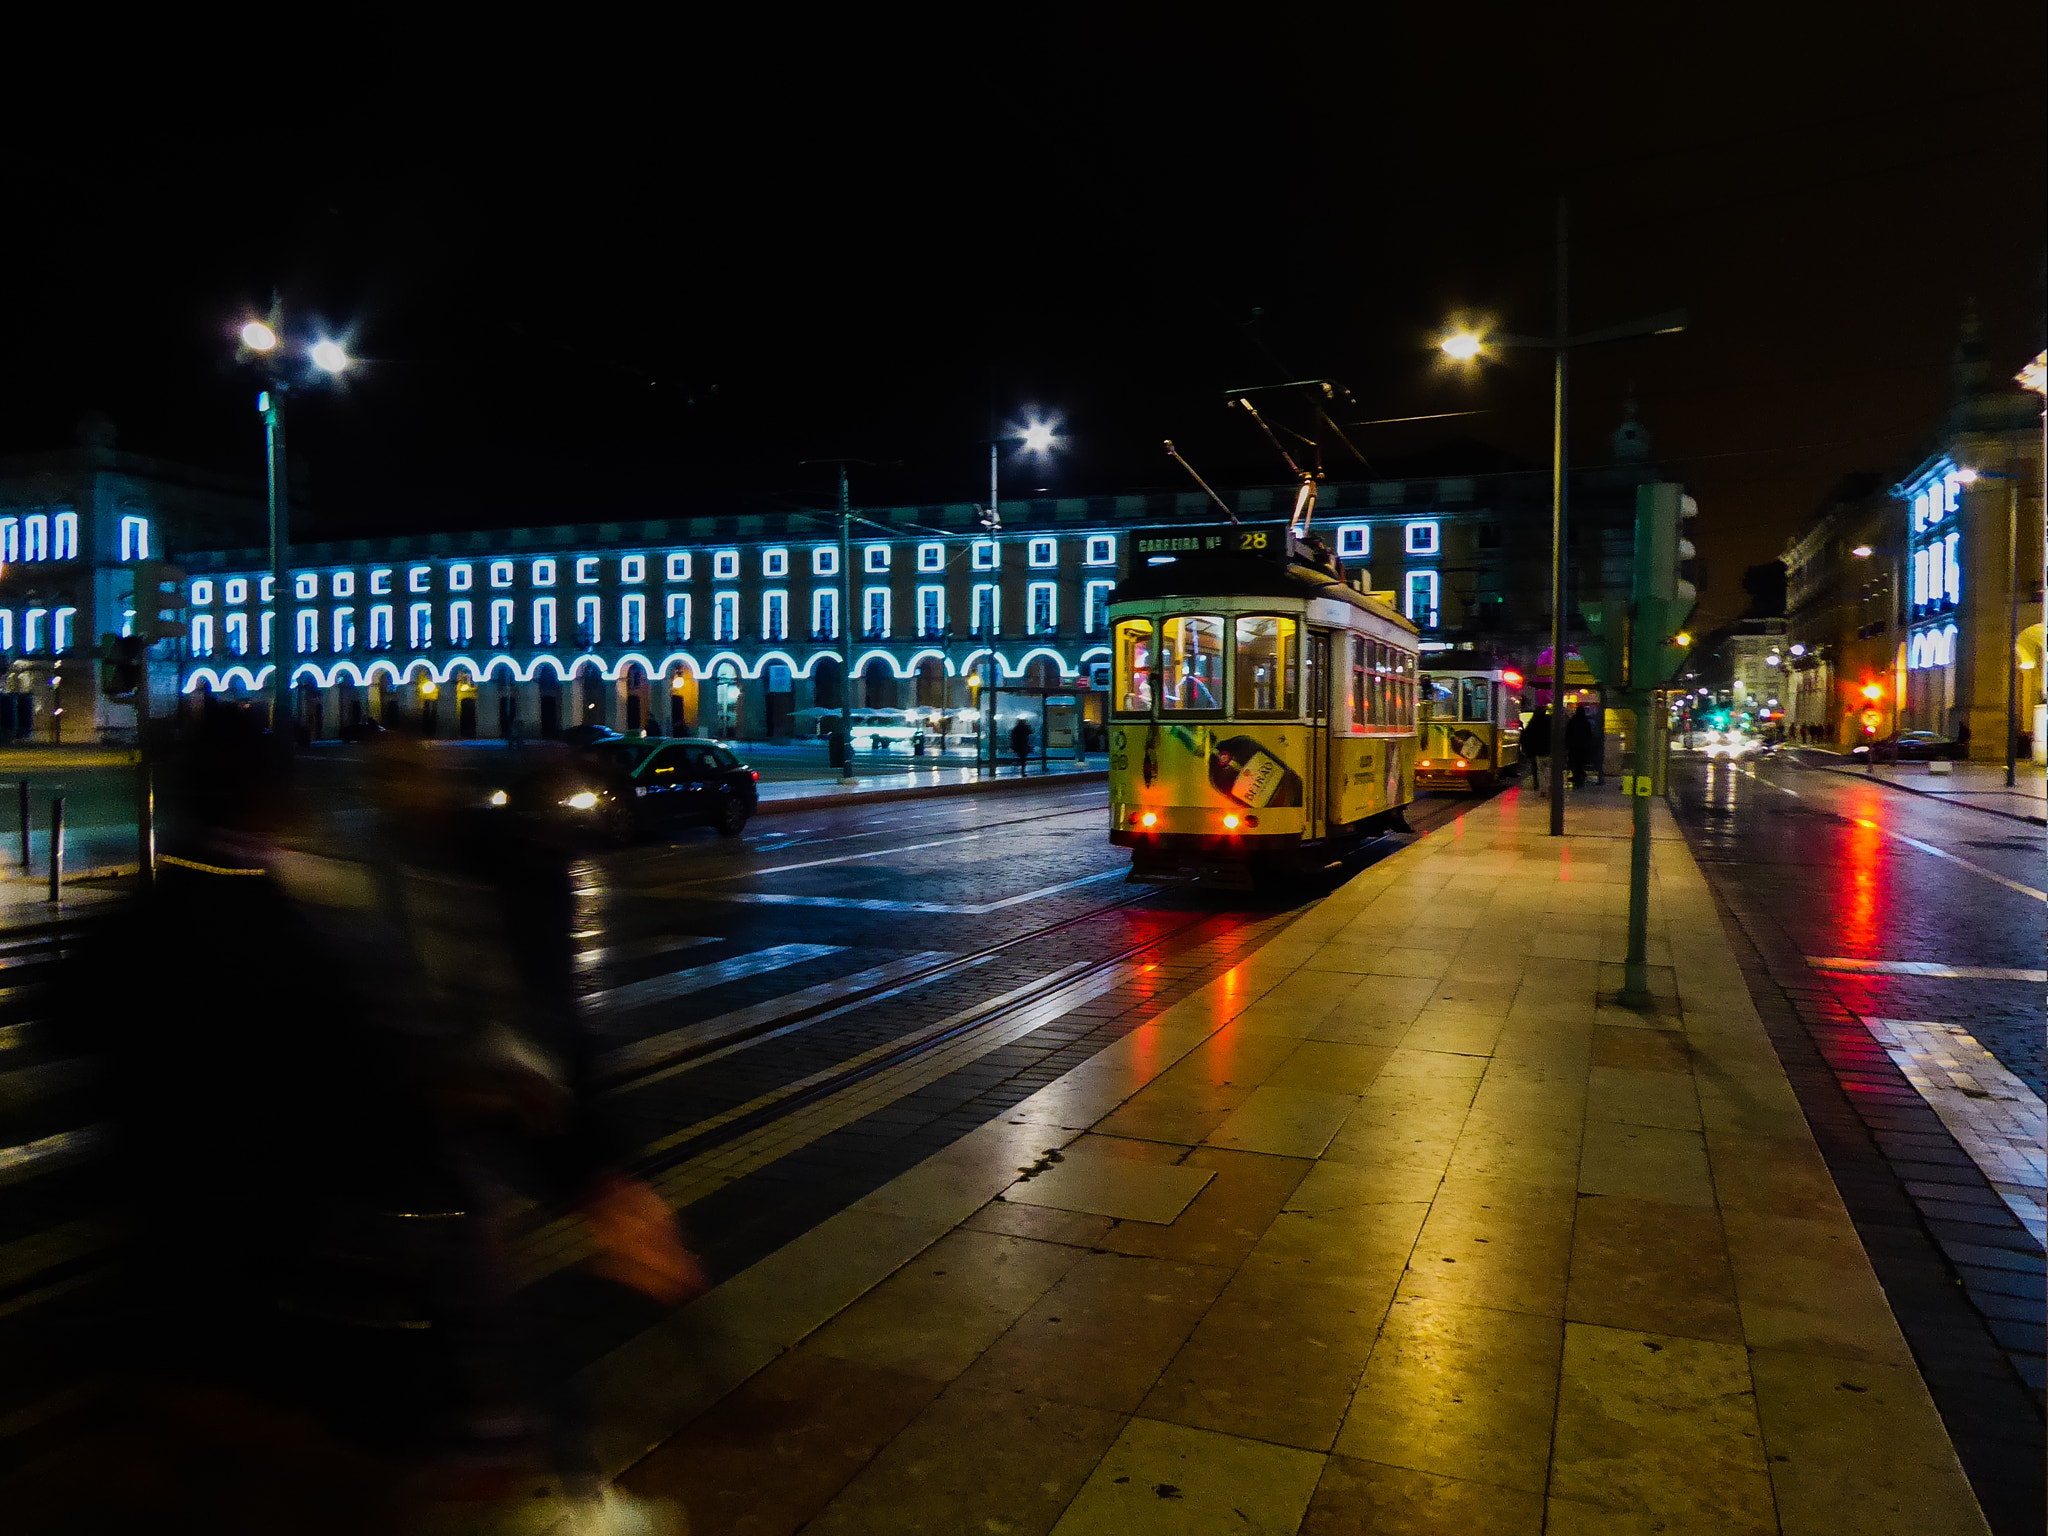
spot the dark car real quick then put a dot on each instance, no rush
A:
(364, 730)
(618, 789)
(1910, 747)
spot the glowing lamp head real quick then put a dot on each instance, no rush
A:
(1967, 476)
(1872, 692)
(1038, 437)
(329, 357)
(1460, 346)
(1862, 551)
(1681, 639)
(1512, 679)
(499, 797)
(429, 688)
(258, 337)
(582, 800)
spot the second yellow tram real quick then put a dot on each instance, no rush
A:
(1262, 709)
(1470, 721)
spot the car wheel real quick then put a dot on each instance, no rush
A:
(731, 820)
(621, 828)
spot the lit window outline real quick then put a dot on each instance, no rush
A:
(1095, 599)
(32, 629)
(419, 578)
(202, 634)
(825, 560)
(586, 570)
(775, 613)
(775, 562)
(64, 536)
(589, 620)
(10, 540)
(134, 538)
(825, 612)
(235, 589)
(60, 623)
(931, 557)
(1354, 541)
(1101, 549)
(382, 625)
(344, 629)
(502, 612)
(542, 574)
(725, 565)
(725, 617)
(266, 632)
(235, 630)
(931, 612)
(305, 585)
(341, 584)
(874, 559)
(1422, 538)
(307, 638)
(1047, 594)
(462, 577)
(678, 603)
(871, 600)
(266, 589)
(202, 594)
(501, 573)
(994, 593)
(632, 570)
(419, 626)
(6, 629)
(633, 619)
(35, 538)
(1042, 554)
(984, 556)
(1431, 580)
(678, 567)
(543, 621)
(380, 581)
(461, 622)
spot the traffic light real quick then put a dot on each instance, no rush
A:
(159, 587)
(1664, 597)
(1605, 646)
(121, 670)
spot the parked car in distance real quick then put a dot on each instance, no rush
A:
(617, 789)
(1909, 747)
(363, 730)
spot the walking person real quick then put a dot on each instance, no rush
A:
(1578, 745)
(1536, 746)
(1020, 743)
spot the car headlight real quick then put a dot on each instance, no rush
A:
(499, 797)
(582, 800)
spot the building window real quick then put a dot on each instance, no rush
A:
(420, 625)
(501, 575)
(1951, 570)
(586, 570)
(678, 567)
(1101, 549)
(725, 616)
(875, 557)
(501, 621)
(988, 612)
(543, 573)
(420, 579)
(775, 615)
(633, 619)
(824, 614)
(32, 629)
(1098, 606)
(36, 537)
(236, 589)
(931, 612)
(134, 539)
(342, 584)
(1354, 541)
(236, 627)
(875, 601)
(544, 619)
(1422, 539)
(825, 560)
(632, 570)
(267, 632)
(1421, 608)
(725, 565)
(6, 629)
(931, 557)
(1489, 535)
(10, 540)
(202, 633)
(589, 621)
(678, 616)
(461, 623)
(380, 627)
(266, 589)
(775, 563)
(1921, 564)
(67, 537)
(984, 558)
(461, 577)
(306, 585)
(344, 629)
(64, 616)
(1044, 608)
(380, 581)
(202, 594)
(309, 631)
(1043, 552)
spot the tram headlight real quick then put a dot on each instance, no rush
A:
(1230, 823)
(1461, 762)
(1149, 819)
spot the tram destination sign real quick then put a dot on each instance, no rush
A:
(1253, 541)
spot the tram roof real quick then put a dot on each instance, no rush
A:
(1212, 561)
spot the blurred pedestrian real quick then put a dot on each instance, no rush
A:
(1578, 745)
(1020, 743)
(1536, 746)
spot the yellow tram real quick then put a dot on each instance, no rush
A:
(1470, 721)
(1262, 709)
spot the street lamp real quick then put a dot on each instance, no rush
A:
(1038, 437)
(1467, 346)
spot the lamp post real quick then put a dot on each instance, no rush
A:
(1038, 438)
(2012, 611)
(1466, 346)
(263, 345)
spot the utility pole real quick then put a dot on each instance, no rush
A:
(1561, 359)
(271, 404)
(845, 627)
(993, 523)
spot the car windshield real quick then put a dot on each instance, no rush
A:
(626, 756)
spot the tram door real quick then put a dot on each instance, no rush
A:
(1318, 764)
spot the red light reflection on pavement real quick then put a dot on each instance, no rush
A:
(1857, 901)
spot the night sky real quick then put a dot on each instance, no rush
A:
(620, 274)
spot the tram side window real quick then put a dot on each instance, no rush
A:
(1191, 663)
(1266, 667)
(1475, 698)
(1133, 654)
(1439, 698)
(1361, 662)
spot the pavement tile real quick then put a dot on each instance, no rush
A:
(1076, 1228)
(1121, 1187)
(1284, 1122)
(1364, 1498)
(1645, 1163)
(1495, 1243)
(1225, 1221)
(1172, 1480)
(1652, 1267)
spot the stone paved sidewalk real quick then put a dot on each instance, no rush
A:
(1397, 1226)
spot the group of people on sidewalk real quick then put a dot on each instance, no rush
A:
(1580, 741)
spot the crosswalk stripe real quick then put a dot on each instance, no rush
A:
(880, 904)
(655, 989)
(711, 1033)
(49, 1153)
(1937, 968)
(602, 955)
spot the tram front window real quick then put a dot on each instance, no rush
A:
(1267, 650)
(1439, 698)
(1133, 655)
(1191, 663)
(1475, 698)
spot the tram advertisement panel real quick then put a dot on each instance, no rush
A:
(1200, 768)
